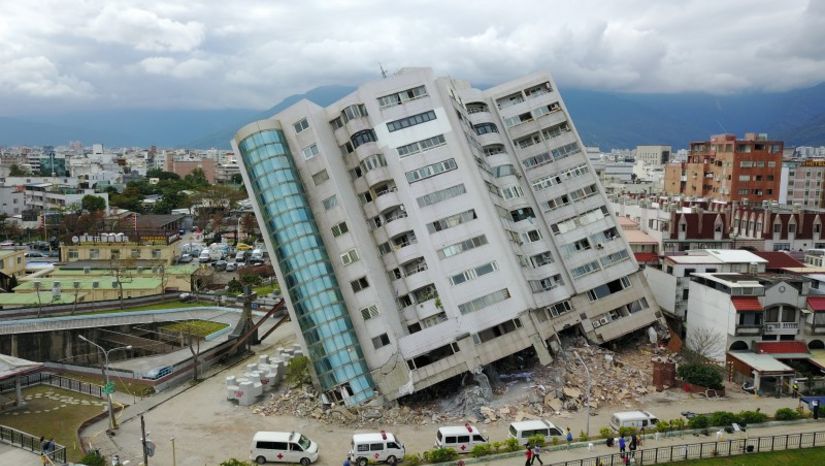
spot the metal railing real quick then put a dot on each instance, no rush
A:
(55, 381)
(26, 441)
(693, 451)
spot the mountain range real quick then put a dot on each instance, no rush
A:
(604, 119)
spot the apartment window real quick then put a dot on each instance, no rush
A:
(381, 341)
(429, 171)
(777, 227)
(363, 137)
(744, 178)
(114, 254)
(532, 236)
(537, 160)
(330, 202)
(560, 308)
(473, 273)
(485, 128)
(494, 332)
(770, 177)
(462, 246)
(615, 258)
(452, 220)
(493, 149)
(349, 257)
(135, 254)
(353, 112)
(609, 288)
(94, 253)
(441, 195)
(360, 284)
(791, 228)
(585, 269)
(339, 229)
(685, 294)
(512, 192)
(522, 214)
(565, 150)
(746, 164)
(73, 254)
(369, 312)
(545, 284)
(579, 221)
(320, 177)
(336, 123)
(541, 259)
(399, 98)
(548, 181)
(310, 151)
(413, 120)
(300, 125)
(384, 249)
(484, 301)
(772, 164)
(372, 162)
(421, 146)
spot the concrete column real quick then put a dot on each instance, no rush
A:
(541, 349)
(14, 346)
(68, 350)
(55, 350)
(18, 389)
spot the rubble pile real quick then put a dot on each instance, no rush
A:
(618, 379)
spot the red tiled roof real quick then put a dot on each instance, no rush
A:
(816, 303)
(778, 259)
(746, 303)
(781, 347)
(646, 257)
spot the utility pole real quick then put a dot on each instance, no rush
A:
(174, 460)
(587, 372)
(108, 388)
(143, 440)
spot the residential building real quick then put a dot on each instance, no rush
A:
(12, 264)
(48, 196)
(729, 169)
(12, 200)
(802, 183)
(185, 167)
(487, 231)
(225, 171)
(653, 156)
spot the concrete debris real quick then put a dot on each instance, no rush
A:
(619, 380)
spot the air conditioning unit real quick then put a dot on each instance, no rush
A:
(86, 270)
(95, 284)
(596, 324)
(603, 321)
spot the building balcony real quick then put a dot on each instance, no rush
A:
(357, 124)
(417, 280)
(782, 328)
(481, 117)
(387, 200)
(490, 138)
(377, 175)
(397, 224)
(748, 329)
(406, 252)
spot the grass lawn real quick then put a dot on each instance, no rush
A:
(152, 307)
(54, 412)
(266, 289)
(805, 456)
(198, 328)
(137, 389)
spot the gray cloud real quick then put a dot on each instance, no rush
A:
(244, 53)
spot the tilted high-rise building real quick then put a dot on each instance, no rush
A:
(421, 229)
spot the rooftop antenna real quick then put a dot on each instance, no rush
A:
(383, 71)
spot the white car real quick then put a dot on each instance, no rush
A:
(376, 447)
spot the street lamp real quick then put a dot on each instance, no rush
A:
(587, 372)
(112, 422)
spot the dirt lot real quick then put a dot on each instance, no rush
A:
(209, 429)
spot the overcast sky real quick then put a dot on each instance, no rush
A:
(250, 54)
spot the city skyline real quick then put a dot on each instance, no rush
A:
(101, 55)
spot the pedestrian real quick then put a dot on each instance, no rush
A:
(116, 460)
(641, 437)
(815, 408)
(44, 459)
(529, 455)
(795, 389)
(42, 443)
(347, 462)
(634, 443)
(537, 455)
(50, 445)
(569, 437)
(622, 446)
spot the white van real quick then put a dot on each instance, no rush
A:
(634, 419)
(283, 447)
(460, 438)
(377, 447)
(523, 430)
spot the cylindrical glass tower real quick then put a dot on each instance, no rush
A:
(303, 262)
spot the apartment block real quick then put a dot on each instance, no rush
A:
(801, 183)
(729, 169)
(653, 156)
(423, 229)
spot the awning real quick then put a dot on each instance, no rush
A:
(746, 303)
(765, 364)
(816, 303)
(646, 257)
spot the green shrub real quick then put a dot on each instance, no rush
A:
(93, 459)
(583, 436)
(699, 422)
(512, 444)
(663, 426)
(722, 418)
(234, 462)
(704, 375)
(626, 431)
(605, 432)
(496, 446)
(439, 455)
(555, 441)
(786, 414)
(537, 439)
(297, 371)
(412, 459)
(678, 424)
(482, 449)
(751, 417)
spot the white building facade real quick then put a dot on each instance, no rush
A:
(423, 229)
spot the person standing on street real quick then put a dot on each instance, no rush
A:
(347, 462)
(537, 455)
(634, 443)
(622, 446)
(529, 455)
(569, 437)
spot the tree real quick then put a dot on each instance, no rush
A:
(17, 170)
(162, 174)
(91, 203)
(237, 178)
(197, 178)
(703, 346)
(121, 269)
(248, 224)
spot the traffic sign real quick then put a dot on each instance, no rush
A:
(109, 388)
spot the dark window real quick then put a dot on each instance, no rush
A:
(363, 137)
(411, 121)
(360, 284)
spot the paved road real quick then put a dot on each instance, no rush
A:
(18, 457)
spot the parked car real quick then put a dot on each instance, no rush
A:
(231, 266)
(35, 254)
(204, 257)
(185, 258)
(219, 265)
(283, 447)
(460, 438)
(378, 447)
(634, 419)
(523, 430)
